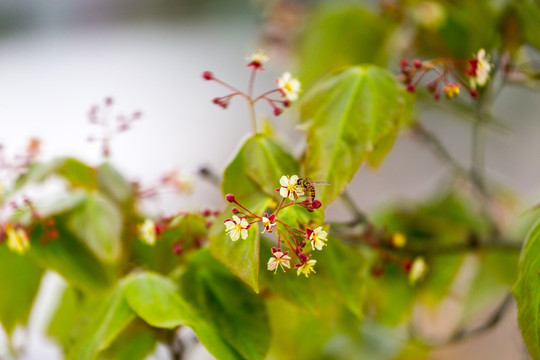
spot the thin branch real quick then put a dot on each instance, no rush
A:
(210, 175)
(359, 216)
(472, 243)
(440, 150)
(489, 324)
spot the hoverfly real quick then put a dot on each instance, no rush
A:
(309, 186)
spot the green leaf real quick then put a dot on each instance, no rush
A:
(236, 181)
(347, 116)
(391, 295)
(527, 292)
(301, 335)
(265, 162)
(157, 301)
(131, 345)
(296, 290)
(252, 177)
(19, 283)
(98, 223)
(72, 260)
(109, 320)
(188, 229)
(529, 13)
(338, 36)
(114, 185)
(241, 256)
(346, 269)
(228, 305)
(75, 172)
(63, 324)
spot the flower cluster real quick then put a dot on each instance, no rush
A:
(288, 87)
(294, 238)
(449, 78)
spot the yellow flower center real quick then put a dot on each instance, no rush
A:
(288, 86)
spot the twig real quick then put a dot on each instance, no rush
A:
(490, 323)
(471, 244)
(210, 175)
(359, 216)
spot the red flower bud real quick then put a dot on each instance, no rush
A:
(177, 248)
(403, 62)
(417, 64)
(410, 88)
(207, 75)
(316, 204)
(473, 93)
(230, 198)
(277, 111)
(235, 210)
(286, 103)
(206, 212)
(407, 264)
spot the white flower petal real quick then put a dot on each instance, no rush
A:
(244, 233)
(283, 192)
(284, 181)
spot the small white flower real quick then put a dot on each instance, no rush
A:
(479, 69)
(257, 59)
(317, 238)
(236, 228)
(306, 268)
(290, 87)
(279, 259)
(268, 222)
(289, 187)
(147, 232)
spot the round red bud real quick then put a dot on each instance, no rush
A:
(403, 62)
(410, 88)
(277, 111)
(206, 212)
(207, 75)
(474, 93)
(177, 248)
(286, 103)
(417, 63)
(316, 204)
(407, 264)
(53, 234)
(235, 210)
(230, 198)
